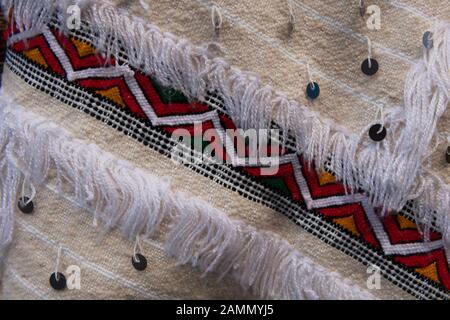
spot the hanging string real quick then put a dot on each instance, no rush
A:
(381, 116)
(58, 258)
(312, 89)
(291, 22)
(377, 131)
(137, 249)
(138, 261)
(369, 49)
(362, 8)
(369, 65)
(57, 279)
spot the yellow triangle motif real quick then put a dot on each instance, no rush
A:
(430, 272)
(36, 55)
(112, 94)
(84, 49)
(405, 223)
(349, 224)
(326, 178)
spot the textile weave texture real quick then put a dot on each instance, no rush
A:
(307, 218)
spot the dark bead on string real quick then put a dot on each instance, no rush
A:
(377, 132)
(25, 205)
(139, 262)
(58, 281)
(312, 90)
(369, 68)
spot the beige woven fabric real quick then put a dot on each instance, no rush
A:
(104, 260)
(56, 218)
(329, 35)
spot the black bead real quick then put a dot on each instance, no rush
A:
(427, 40)
(139, 262)
(58, 284)
(369, 70)
(377, 132)
(312, 90)
(447, 155)
(25, 206)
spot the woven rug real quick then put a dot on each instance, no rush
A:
(117, 128)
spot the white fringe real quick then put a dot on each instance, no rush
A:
(122, 196)
(391, 172)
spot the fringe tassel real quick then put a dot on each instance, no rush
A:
(391, 172)
(122, 196)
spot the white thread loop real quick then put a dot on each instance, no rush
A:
(137, 249)
(369, 49)
(22, 193)
(311, 81)
(144, 4)
(58, 258)
(216, 17)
